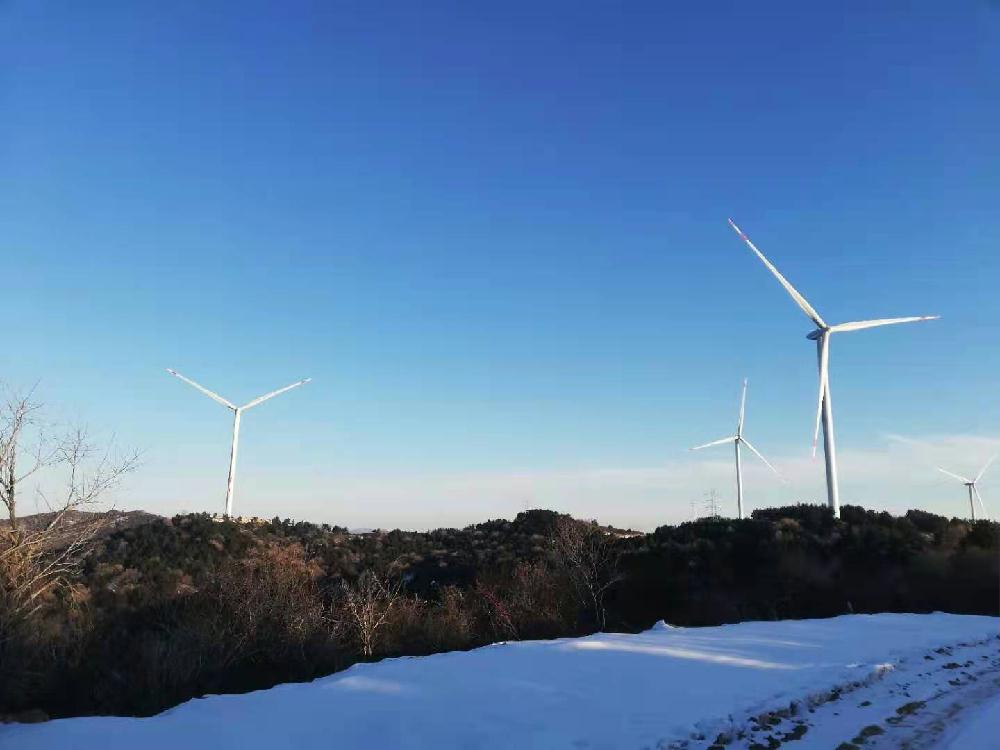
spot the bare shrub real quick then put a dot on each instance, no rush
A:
(498, 610)
(254, 622)
(362, 608)
(270, 605)
(407, 628)
(451, 622)
(592, 560)
(531, 601)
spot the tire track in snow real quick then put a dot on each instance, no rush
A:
(910, 705)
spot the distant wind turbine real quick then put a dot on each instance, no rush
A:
(821, 336)
(739, 440)
(971, 485)
(237, 413)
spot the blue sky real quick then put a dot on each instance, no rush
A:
(495, 237)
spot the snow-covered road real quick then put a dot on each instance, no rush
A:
(929, 700)
(873, 680)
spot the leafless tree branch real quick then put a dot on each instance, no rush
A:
(39, 557)
(592, 558)
(363, 607)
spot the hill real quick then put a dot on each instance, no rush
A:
(117, 520)
(169, 609)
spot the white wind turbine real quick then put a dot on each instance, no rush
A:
(237, 413)
(821, 336)
(738, 440)
(971, 485)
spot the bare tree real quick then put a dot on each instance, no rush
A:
(38, 557)
(591, 558)
(18, 415)
(363, 607)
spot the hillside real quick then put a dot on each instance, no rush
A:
(164, 610)
(877, 680)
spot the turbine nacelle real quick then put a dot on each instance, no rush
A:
(815, 335)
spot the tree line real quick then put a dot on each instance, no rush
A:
(170, 609)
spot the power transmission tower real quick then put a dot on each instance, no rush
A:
(712, 504)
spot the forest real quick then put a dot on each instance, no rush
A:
(146, 612)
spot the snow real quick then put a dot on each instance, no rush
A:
(981, 730)
(668, 687)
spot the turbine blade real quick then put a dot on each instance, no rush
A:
(213, 396)
(824, 375)
(743, 406)
(862, 324)
(761, 457)
(272, 394)
(959, 477)
(792, 291)
(729, 439)
(985, 467)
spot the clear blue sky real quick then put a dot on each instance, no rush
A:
(495, 236)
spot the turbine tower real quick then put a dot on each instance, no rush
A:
(737, 440)
(821, 336)
(971, 485)
(237, 413)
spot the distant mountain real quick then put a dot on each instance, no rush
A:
(118, 519)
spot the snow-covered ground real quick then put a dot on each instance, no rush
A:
(979, 728)
(917, 681)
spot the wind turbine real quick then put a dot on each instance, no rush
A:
(237, 413)
(738, 440)
(971, 484)
(821, 336)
